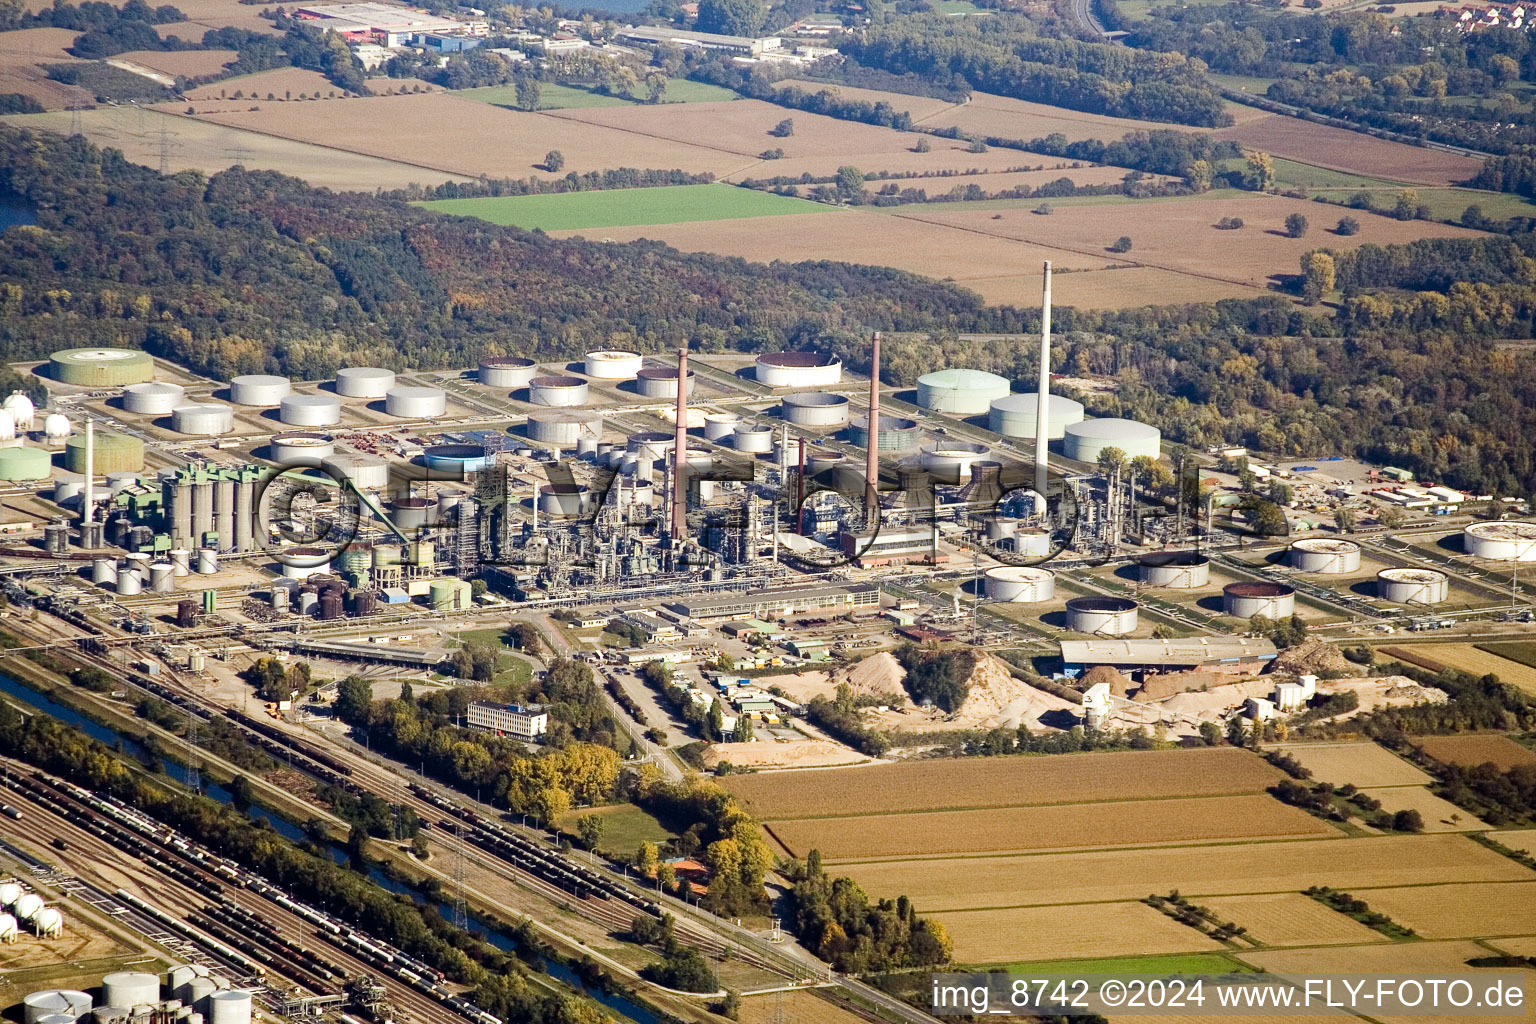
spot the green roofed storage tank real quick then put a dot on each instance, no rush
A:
(21, 463)
(101, 367)
(448, 595)
(115, 453)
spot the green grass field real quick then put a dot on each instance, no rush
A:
(625, 827)
(553, 96)
(629, 207)
(1299, 175)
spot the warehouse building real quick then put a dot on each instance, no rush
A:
(761, 605)
(1228, 654)
(520, 722)
(891, 546)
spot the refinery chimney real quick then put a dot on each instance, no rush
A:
(680, 454)
(872, 460)
(87, 511)
(1043, 404)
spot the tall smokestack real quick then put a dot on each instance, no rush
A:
(87, 510)
(680, 453)
(1043, 405)
(872, 461)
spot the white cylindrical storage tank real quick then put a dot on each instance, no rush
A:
(660, 382)
(1412, 586)
(310, 410)
(56, 426)
(754, 439)
(1002, 528)
(960, 392)
(612, 365)
(510, 372)
(303, 563)
(416, 403)
(26, 905)
(720, 425)
(798, 370)
(629, 465)
(7, 426)
(815, 409)
(1084, 441)
(562, 499)
(258, 389)
(104, 570)
(1272, 600)
(199, 989)
(117, 482)
(67, 490)
(557, 391)
(1110, 616)
(130, 988)
(153, 398)
(562, 428)
(586, 445)
(411, 513)
(162, 577)
(202, 418)
(129, 583)
(1014, 416)
(950, 461)
(229, 1007)
(1504, 542)
(364, 381)
(1019, 583)
(367, 472)
(292, 447)
(1324, 555)
(181, 561)
(59, 1018)
(207, 561)
(62, 1001)
(1032, 541)
(1177, 570)
(820, 461)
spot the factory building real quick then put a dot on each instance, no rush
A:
(890, 546)
(779, 604)
(1084, 441)
(211, 507)
(101, 367)
(1139, 658)
(798, 370)
(520, 722)
(960, 392)
(1014, 416)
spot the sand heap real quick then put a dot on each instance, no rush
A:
(786, 754)
(1212, 704)
(878, 675)
(1384, 692)
(999, 700)
(1156, 687)
(1314, 657)
(1119, 684)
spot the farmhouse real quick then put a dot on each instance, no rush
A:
(1234, 654)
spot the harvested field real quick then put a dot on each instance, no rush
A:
(188, 63)
(1290, 919)
(802, 1007)
(1522, 946)
(1472, 749)
(1048, 933)
(1007, 782)
(790, 754)
(1471, 658)
(1439, 815)
(964, 883)
(1361, 764)
(1004, 118)
(1073, 826)
(22, 54)
(211, 148)
(468, 137)
(1523, 839)
(1459, 911)
(1342, 150)
(919, 107)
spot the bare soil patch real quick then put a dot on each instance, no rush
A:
(1472, 749)
(789, 754)
(1089, 930)
(190, 63)
(1343, 150)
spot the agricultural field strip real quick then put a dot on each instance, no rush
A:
(1004, 806)
(571, 116)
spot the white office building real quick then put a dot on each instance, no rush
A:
(517, 721)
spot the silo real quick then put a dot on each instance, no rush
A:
(1018, 583)
(367, 472)
(1272, 600)
(1512, 541)
(612, 365)
(153, 398)
(292, 447)
(449, 595)
(202, 507)
(1110, 616)
(1014, 415)
(224, 510)
(197, 993)
(896, 434)
(814, 409)
(720, 425)
(660, 382)
(364, 381)
(1002, 528)
(1323, 555)
(310, 410)
(207, 561)
(1084, 441)
(24, 463)
(1177, 570)
(798, 370)
(562, 499)
(129, 583)
(386, 557)
(260, 389)
(562, 428)
(557, 391)
(101, 367)
(204, 418)
(753, 439)
(510, 372)
(960, 392)
(229, 1007)
(130, 988)
(416, 403)
(1412, 586)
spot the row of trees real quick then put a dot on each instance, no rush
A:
(837, 920)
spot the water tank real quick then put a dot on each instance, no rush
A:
(129, 583)
(56, 427)
(162, 577)
(754, 439)
(1177, 570)
(557, 391)
(1504, 542)
(204, 418)
(1014, 415)
(291, 447)
(153, 398)
(416, 403)
(1412, 586)
(207, 561)
(104, 571)
(258, 389)
(612, 365)
(1109, 616)
(563, 428)
(1084, 441)
(720, 425)
(310, 410)
(798, 370)
(960, 391)
(1272, 600)
(1017, 583)
(660, 382)
(364, 381)
(1323, 555)
(130, 988)
(63, 1001)
(814, 409)
(229, 1007)
(510, 372)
